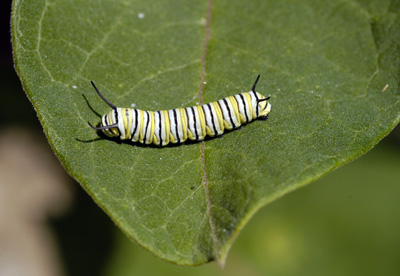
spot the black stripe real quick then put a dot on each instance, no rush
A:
(159, 128)
(229, 112)
(255, 94)
(105, 120)
(187, 123)
(212, 119)
(116, 116)
(222, 112)
(176, 126)
(147, 126)
(195, 124)
(245, 109)
(136, 124)
(116, 122)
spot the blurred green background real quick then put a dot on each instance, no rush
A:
(347, 223)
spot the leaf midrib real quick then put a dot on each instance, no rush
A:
(205, 181)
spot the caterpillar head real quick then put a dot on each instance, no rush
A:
(109, 122)
(263, 106)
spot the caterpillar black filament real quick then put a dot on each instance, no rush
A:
(179, 124)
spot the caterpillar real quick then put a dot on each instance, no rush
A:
(179, 124)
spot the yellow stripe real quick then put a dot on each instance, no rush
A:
(128, 123)
(124, 118)
(155, 139)
(141, 126)
(235, 108)
(202, 121)
(184, 119)
(219, 116)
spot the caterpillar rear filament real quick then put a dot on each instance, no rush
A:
(179, 124)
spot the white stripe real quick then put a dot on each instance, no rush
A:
(180, 127)
(121, 126)
(198, 124)
(172, 124)
(190, 117)
(156, 127)
(207, 114)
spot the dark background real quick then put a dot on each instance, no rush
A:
(83, 232)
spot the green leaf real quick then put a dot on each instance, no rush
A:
(324, 63)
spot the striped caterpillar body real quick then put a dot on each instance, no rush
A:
(179, 124)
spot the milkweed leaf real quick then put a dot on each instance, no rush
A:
(324, 64)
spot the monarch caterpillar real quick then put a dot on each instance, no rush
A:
(179, 124)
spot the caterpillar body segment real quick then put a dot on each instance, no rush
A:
(179, 124)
